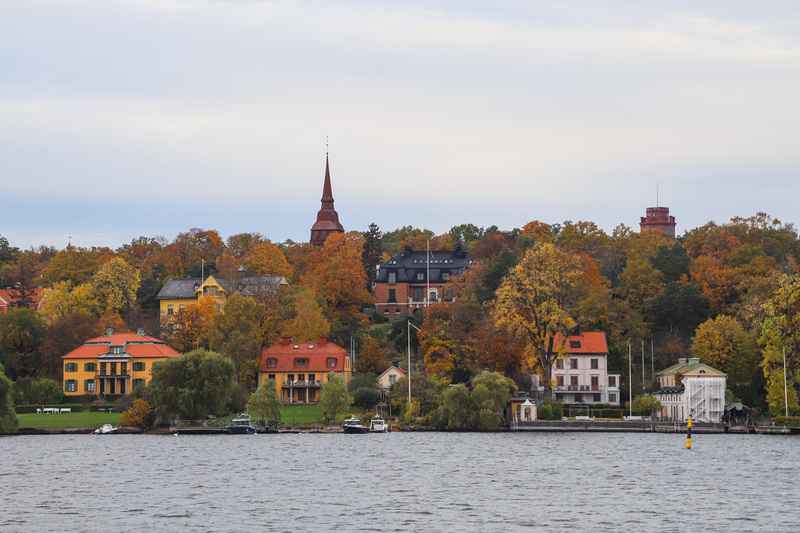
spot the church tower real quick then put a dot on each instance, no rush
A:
(327, 218)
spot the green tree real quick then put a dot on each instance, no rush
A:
(265, 402)
(334, 399)
(645, 405)
(8, 417)
(363, 379)
(456, 409)
(43, 391)
(22, 332)
(425, 391)
(680, 307)
(671, 261)
(372, 255)
(191, 386)
(366, 397)
(64, 334)
(490, 394)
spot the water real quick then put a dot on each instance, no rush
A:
(400, 482)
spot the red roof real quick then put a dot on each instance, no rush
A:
(9, 296)
(316, 354)
(591, 342)
(133, 345)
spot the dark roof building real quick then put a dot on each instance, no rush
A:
(413, 279)
(327, 217)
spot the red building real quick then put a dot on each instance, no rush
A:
(327, 217)
(413, 279)
(658, 219)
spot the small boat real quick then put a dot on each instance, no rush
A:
(377, 425)
(353, 425)
(107, 429)
(241, 426)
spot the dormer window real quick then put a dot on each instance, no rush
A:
(116, 349)
(574, 344)
(272, 362)
(301, 363)
(331, 362)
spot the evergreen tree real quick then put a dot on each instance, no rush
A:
(372, 256)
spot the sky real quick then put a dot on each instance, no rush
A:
(123, 118)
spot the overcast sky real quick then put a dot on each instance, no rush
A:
(151, 117)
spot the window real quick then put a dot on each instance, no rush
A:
(597, 398)
(573, 380)
(420, 276)
(137, 382)
(301, 363)
(181, 306)
(271, 376)
(392, 378)
(579, 398)
(594, 364)
(432, 297)
(573, 364)
(448, 294)
(115, 349)
(113, 368)
(574, 344)
(71, 367)
(103, 369)
(560, 381)
(419, 294)
(138, 367)
(612, 381)
(71, 385)
(560, 364)
(445, 276)
(88, 385)
(312, 377)
(331, 362)
(90, 367)
(170, 310)
(595, 382)
(393, 295)
(123, 369)
(612, 398)
(392, 278)
(386, 311)
(272, 363)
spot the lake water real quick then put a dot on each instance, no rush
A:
(400, 482)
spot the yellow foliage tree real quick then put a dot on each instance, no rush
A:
(115, 285)
(309, 321)
(266, 259)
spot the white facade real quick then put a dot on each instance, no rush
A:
(584, 378)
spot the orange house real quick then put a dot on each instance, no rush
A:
(300, 368)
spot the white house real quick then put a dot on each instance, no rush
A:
(581, 370)
(692, 388)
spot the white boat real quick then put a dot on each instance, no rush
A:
(378, 425)
(107, 429)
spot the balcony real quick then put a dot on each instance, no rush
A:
(302, 383)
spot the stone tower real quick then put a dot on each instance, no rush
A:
(327, 218)
(658, 219)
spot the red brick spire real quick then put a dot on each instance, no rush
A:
(327, 218)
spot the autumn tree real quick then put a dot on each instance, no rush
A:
(64, 334)
(308, 322)
(266, 259)
(115, 285)
(63, 299)
(140, 414)
(538, 299)
(370, 357)
(76, 265)
(444, 334)
(337, 274)
(237, 333)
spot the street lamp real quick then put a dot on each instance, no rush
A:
(410, 325)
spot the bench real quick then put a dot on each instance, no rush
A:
(66, 410)
(583, 418)
(48, 410)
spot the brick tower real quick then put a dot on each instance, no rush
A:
(327, 218)
(658, 219)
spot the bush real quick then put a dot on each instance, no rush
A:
(791, 421)
(44, 391)
(549, 411)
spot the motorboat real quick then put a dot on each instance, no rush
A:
(242, 425)
(378, 425)
(353, 425)
(107, 429)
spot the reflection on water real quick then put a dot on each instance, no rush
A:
(400, 482)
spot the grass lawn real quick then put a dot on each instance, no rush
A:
(301, 414)
(67, 420)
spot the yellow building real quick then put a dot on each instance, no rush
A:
(113, 364)
(300, 368)
(178, 293)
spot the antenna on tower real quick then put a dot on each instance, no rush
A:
(326, 146)
(656, 194)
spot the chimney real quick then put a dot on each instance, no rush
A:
(323, 340)
(694, 360)
(140, 332)
(682, 361)
(285, 341)
(109, 332)
(396, 364)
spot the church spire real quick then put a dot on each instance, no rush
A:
(327, 217)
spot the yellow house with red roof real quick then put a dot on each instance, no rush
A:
(113, 364)
(300, 368)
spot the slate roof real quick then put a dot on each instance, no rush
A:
(184, 288)
(408, 263)
(133, 345)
